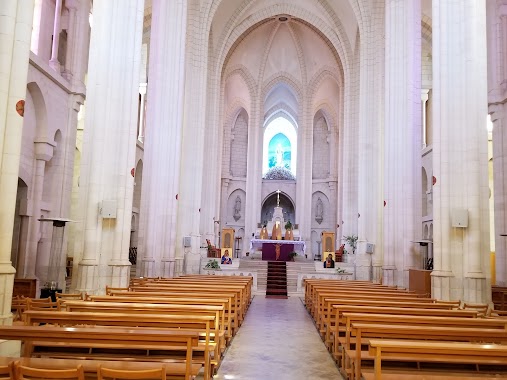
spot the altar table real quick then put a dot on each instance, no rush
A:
(286, 247)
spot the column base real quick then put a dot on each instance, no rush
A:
(119, 274)
(363, 266)
(444, 286)
(167, 269)
(147, 267)
(87, 282)
(192, 263)
(389, 275)
(477, 289)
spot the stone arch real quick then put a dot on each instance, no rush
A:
(40, 109)
(286, 79)
(277, 110)
(245, 74)
(321, 152)
(238, 143)
(286, 202)
(334, 36)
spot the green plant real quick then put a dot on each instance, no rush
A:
(351, 240)
(288, 225)
(212, 264)
(292, 255)
(340, 270)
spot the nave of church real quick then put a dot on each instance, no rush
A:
(148, 138)
(278, 340)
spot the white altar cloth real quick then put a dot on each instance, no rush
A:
(299, 245)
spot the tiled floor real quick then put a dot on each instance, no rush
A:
(278, 341)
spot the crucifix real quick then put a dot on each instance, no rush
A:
(278, 198)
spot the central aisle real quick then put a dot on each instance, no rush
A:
(277, 340)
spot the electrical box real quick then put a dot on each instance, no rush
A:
(108, 209)
(370, 247)
(187, 241)
(459, 217)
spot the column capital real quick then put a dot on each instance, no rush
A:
(71, 4)
(43, 150)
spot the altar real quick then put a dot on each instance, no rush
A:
(269, 248)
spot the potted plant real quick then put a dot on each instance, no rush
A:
(212, 265)
(289, 235)
(351, 240)
(292, 255)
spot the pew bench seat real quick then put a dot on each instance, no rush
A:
(175, 370)
(381, 350)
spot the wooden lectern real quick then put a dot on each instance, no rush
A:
(227, 240)
(327, 245)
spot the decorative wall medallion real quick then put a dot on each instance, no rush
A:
(20, 107)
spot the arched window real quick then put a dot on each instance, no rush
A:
(280, 146)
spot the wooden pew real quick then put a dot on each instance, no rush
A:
(434, 352)
(175, 371)
(105, 338)
(227, 299)
(187, 287)
(209, 343)
(413, 332)
(216, 311)
(326, 300)
(338, 325)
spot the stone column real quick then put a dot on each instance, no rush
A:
(16, 28)
(370, 146)
(26, 264)
(164, 118)
(53, 62)
(424, 100)
(71, 38)
(498, 117)
(142, 106)
(461, 255)
(80, 46)
(109, 143)
(402, 139)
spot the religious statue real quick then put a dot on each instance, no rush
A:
(319, 211)
(277, 252)
(237, 209)
(279, 155)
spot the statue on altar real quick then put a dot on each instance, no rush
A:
(276, 233)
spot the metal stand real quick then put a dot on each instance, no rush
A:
(55, 258)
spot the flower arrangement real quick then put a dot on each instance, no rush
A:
(212, 264)
(340, 270)
(280, 173)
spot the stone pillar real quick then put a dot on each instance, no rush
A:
(71, 38)
(79, 49)
(461, 255)
(424, 100)
(402, 139)
(26, 264)
(16, 28)
(162, 144)
(110, 143)
(53, 62)
(370, 146)
(192, 145)
(142, 105)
